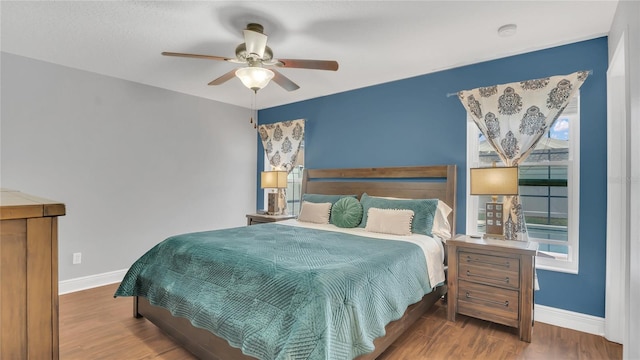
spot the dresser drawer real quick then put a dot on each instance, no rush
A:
(488, 303)
(488, 269)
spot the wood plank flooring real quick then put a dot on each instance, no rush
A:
(94, 325)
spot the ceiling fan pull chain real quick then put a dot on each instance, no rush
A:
(255, 111)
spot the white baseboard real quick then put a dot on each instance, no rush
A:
(557, 317)
(569, 319)
(92, 281)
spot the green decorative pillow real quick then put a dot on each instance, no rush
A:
(424, 211)
(346, 212)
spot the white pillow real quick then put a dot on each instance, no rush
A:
(315, 212)
(441, 226)
(389, 221)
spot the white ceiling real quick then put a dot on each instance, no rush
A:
(373, 41)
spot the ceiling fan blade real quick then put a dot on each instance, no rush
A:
(197, 56)
(308, 64)
(224, 78)
(284, 81)
(255, 42)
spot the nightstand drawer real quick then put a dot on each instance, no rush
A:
(488, 303)
(258, 221)
(254, 219)
(487, 269)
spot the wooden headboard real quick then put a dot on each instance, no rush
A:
(412, 182)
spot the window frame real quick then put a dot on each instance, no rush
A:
(291, 198)
(571, 264)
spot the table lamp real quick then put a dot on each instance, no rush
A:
(494, 181)
(273, 180)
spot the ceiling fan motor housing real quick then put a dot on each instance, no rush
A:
(241, 53)
(255, 27)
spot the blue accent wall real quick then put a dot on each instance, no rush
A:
(413, 122)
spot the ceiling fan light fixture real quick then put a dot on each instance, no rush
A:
(254, 78)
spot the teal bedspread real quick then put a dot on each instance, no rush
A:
(283, 292)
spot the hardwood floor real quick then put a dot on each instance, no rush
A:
(94, 325)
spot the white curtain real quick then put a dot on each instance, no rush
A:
(281, 142)
(513, 118)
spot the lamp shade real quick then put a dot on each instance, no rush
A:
(255, 78)
(494, 181)
(273, 179)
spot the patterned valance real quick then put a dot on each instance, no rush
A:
(281, 142)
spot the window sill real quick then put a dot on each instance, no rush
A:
(544, 262)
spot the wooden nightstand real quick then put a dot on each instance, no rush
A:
(492, 280)
(253, 219)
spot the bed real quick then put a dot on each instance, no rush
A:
(308, 338)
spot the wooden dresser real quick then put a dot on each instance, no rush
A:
(492, 280)
(28, 276)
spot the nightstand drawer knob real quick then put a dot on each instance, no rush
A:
(505, 303)
(471, 260)
(506, 279)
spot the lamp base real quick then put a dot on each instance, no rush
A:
(272, 204)
(494, 220)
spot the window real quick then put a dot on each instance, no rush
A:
(294, 182)
(549, 189)
(294, 187)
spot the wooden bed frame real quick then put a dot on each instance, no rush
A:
(424, 182)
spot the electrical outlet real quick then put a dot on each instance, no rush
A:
(77, 258)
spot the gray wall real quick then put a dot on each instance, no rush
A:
(627, 20)
(134, 164)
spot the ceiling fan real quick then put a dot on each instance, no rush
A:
(255, 53)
